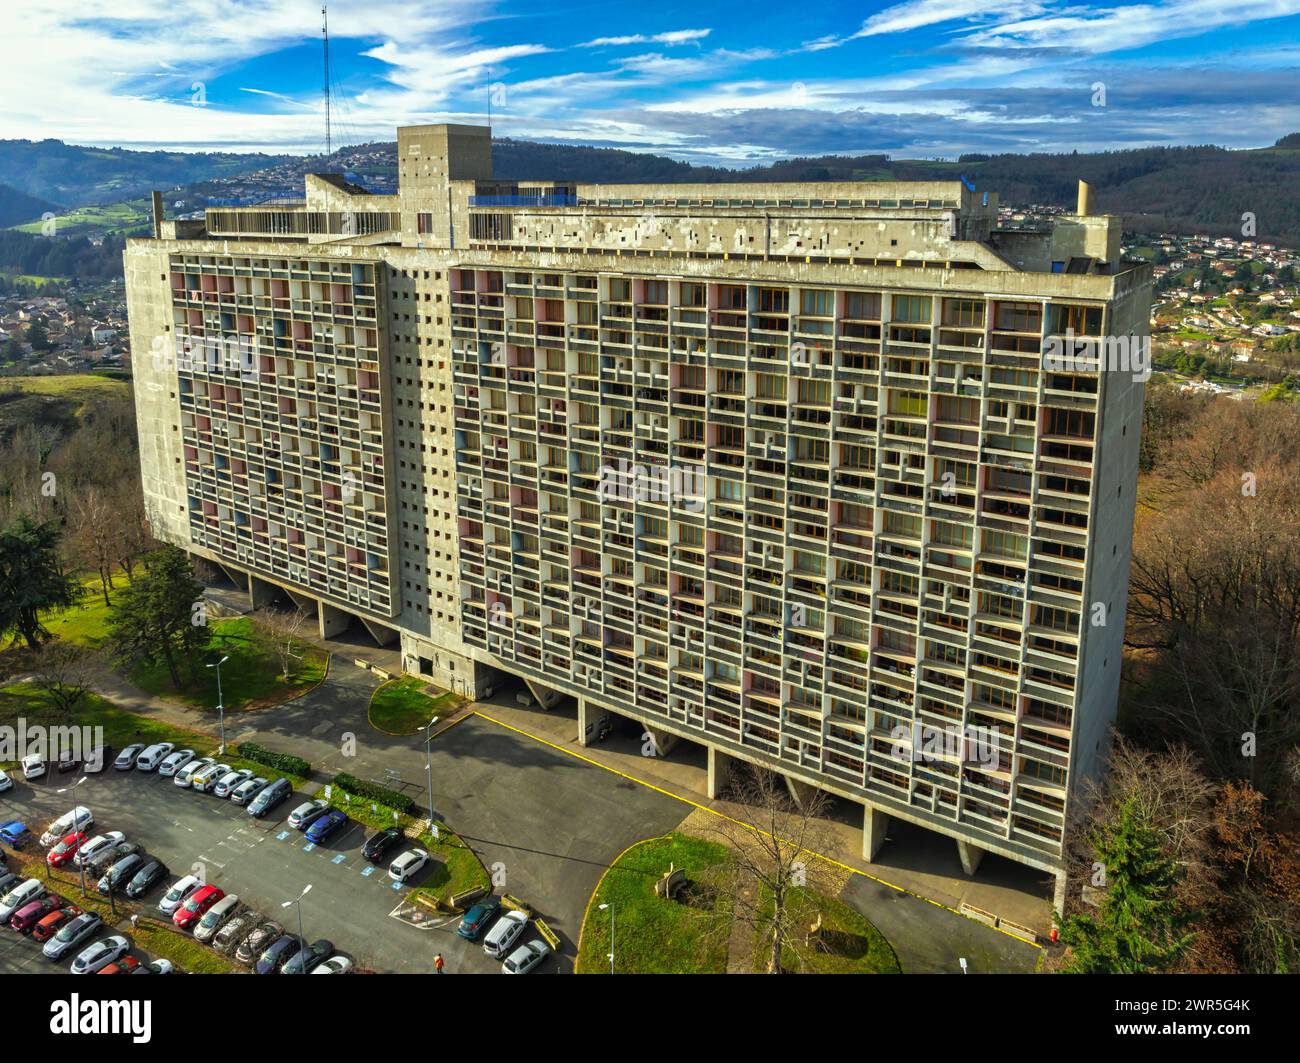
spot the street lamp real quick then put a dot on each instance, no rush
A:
(298, 901)
(221, 706)
(428, 763)
(80, 866)
(610, 906)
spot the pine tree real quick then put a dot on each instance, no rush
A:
(155, 619)
(32, 580)
(1140, 927)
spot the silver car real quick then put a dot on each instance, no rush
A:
(227, 783)
(96, 957)
(505, 932)
(247, 790)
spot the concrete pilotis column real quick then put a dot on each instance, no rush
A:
(801, 793)
(663, 741)
(1059, 893)
(875, 825)
(332, 621)
(260, 592)
(970, 855)
(721, 766)
(584, 715)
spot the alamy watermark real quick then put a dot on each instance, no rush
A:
(667, 484)
(1069, 353)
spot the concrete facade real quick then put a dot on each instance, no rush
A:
(790, 471)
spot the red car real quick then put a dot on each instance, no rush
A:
(53, 923)
(126, 965)
(199, 902)
(66, 849)
(30, 914)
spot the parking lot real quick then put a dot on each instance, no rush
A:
(544, 824)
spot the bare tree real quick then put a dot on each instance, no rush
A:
(285, 634)
(95, 528)
(774, 862)
(63, 672)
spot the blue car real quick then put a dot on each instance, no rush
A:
(476, 920)
(326, 825)
(14, 834)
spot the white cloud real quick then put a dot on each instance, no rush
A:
(670, 38)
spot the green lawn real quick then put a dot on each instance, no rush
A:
(456, 867)
(249, 679)
(653, 935)
(86, 622)
(401, 706)
(70, 385)
(120, 728)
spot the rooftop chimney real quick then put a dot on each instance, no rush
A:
(156, 198)
(1085, 199)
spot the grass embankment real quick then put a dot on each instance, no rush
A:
(691, 934)
(120, 728)
(403, 706)
(250, 679)
(455, 867)
(150, 934)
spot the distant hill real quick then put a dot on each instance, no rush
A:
(16, 206)
(72, 176)
(1191, 189)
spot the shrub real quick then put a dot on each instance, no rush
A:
(284, 762)
(375, 792)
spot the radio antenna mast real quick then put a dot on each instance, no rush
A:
(325, 38)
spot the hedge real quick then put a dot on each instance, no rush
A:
(382, 794)
(284, 762)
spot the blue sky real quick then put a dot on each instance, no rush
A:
(703, 81)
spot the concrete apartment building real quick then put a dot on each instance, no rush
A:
(786, 470)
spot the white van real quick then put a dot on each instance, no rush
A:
(78, 818)
(215, 916)
(153, 756)
(205, 780)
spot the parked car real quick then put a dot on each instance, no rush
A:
(247, 951)
(383, 842)
(33, 912)
(72, 935)
(97, 758)
(6, 783)
(79, 818)
(476, 921)
(22, 894)
(155, 967)
(179, 892)
(126, 965)
(96, 957)
(277, 954)
(225, 786)
(146, 878)
(33, 766)
(526, 957)
(54, 922)
(196, 906)
(325, 827)
(303, 816)
(505, 932)
(98, 844)
(120, 873)
(215, 916)
(187, 773)
(304, 961)
(247, 790)
(15, 834)
(231, 935)
(68, 760)
(98, 864)
(267, 799)
(126, 759)
(334, 965)
(154, 755)
(8, 880)
(204, 781)
(66, 849)
(174, 761)
(407, 864)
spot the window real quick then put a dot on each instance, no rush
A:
(912, 309)
(818, 303)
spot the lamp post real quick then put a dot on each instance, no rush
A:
(77, 856)
(610, 906)
(298, 901)
(428, 763)
(221, 707)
